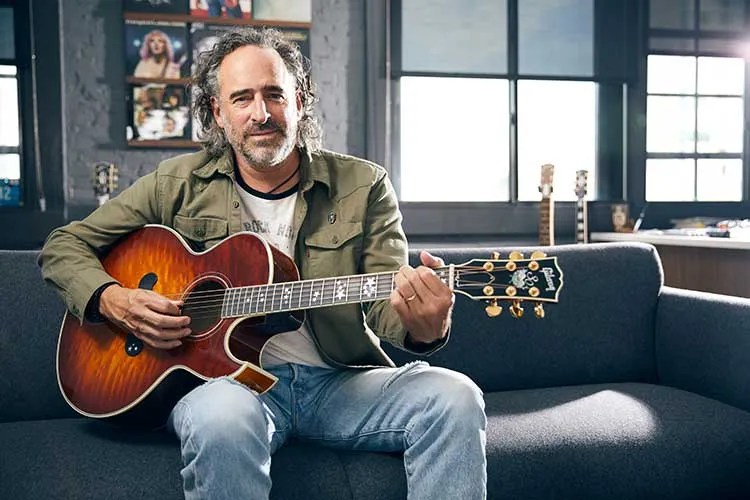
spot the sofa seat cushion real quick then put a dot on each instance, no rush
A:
(616, 441)
(81, 458)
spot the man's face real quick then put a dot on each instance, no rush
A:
(258, 106)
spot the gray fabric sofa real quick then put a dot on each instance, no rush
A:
(627, 389)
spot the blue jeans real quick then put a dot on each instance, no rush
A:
(433, 415)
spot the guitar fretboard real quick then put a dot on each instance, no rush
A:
(311, 294)
(582, 233)
(546, 222)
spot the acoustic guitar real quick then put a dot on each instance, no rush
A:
(235, 307)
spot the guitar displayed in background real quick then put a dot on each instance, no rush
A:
(104, 181)
(547, 207)
(582, 218)
(235, 307)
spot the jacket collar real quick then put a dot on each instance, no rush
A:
(223, 164)
(313, 169)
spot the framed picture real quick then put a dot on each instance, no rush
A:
(156, 49)
(203, 37)
(159, 112)
(156, 6)
(232, 9)
(299, 11)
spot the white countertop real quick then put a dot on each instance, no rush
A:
(656, 237)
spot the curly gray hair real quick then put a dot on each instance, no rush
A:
(205, 85)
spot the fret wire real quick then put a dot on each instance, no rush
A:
(232, 302)
(224, 304)
(249, 302)
(273, 298)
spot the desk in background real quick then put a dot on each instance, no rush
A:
(718, 265)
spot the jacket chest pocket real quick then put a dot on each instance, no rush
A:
(201, 232)
(333, 251)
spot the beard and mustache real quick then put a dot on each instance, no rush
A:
(267, 151)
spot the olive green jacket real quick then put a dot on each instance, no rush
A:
(346, 216)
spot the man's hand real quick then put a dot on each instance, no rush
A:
(152, 318)
(422, 301)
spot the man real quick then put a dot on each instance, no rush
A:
(261, 168)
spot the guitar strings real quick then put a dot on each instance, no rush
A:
(211, 308)
(221, 294)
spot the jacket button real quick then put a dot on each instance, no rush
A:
(335, 239)
(200, 232)
(236, 204)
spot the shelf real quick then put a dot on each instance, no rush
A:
(185, 18)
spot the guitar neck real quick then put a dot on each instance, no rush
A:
(582, 230)
(311, 294)
(546, 221)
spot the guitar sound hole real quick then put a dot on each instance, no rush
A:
(203, 305)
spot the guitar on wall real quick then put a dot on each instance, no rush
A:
(106, 372)
(104, 181)
(547, 207)
(582, 224)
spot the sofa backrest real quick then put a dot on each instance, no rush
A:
(602, 329)
(31, 314)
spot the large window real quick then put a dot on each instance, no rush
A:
(488, 92)
(695, 104)
(10, 140)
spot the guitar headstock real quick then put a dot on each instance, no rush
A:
(581, 179)
(516, 279)
(104, 181)
(545, 186)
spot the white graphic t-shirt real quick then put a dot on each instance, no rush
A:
(271, 216)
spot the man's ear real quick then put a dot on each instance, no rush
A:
(216, 110)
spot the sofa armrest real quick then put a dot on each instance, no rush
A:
(703, 344)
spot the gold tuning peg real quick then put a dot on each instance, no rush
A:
(515, 255)
(495, 255)
(539, 310)
(516, 310)
(538, 254)
(493, 310)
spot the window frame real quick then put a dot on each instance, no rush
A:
(514, 219)
(20, 150)
(40, 141)
(661, 213)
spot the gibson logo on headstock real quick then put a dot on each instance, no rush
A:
(549, 274)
